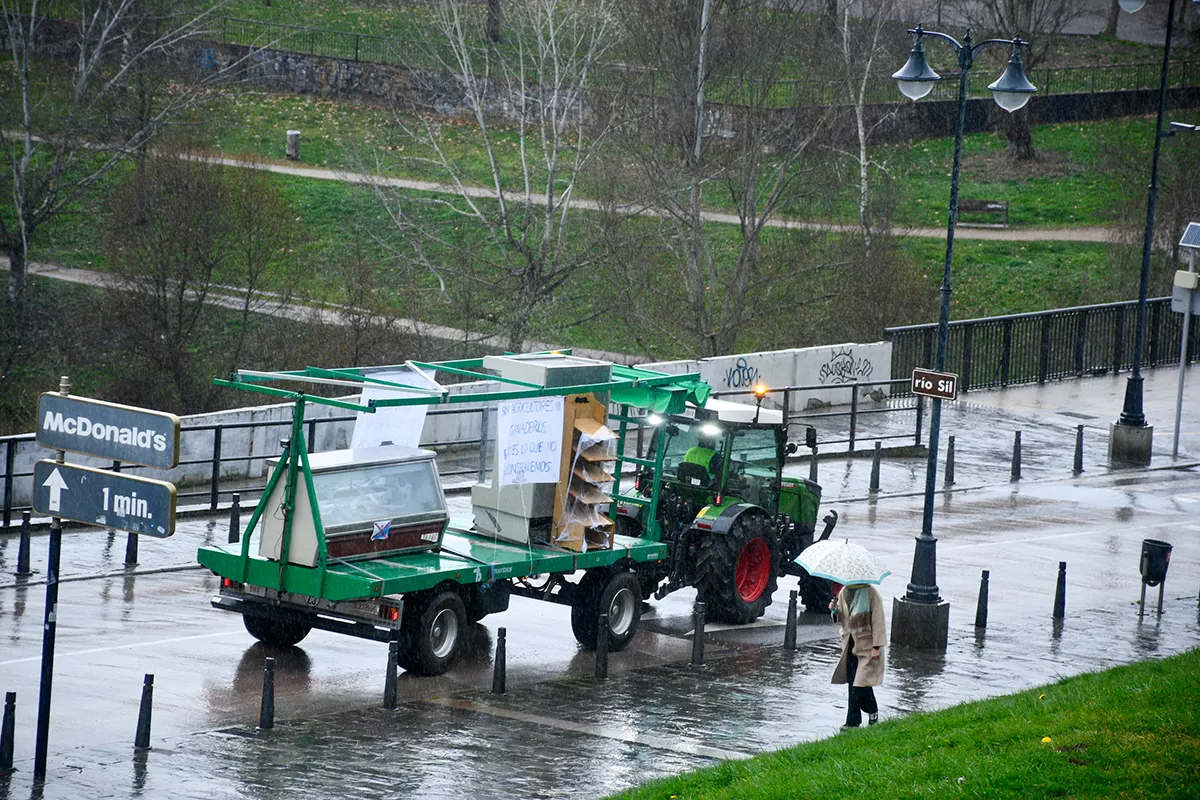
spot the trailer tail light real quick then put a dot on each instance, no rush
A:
(704, 525)
(226, 583)
(391, 613)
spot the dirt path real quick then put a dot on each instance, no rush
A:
(1089, 234)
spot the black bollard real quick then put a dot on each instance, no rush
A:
(500, 672)
(235, 519)
(875, 467)
(812, 467)
(602, 648)
(950, 461)
(131, 547)
(266, 713)
(981, 607)
(141, 739)
(1016, 458)
(1078, 449)
(1060, 592)
(8, 732)
(698, 634)
(23, 569)
(389, 680)
(789, 632)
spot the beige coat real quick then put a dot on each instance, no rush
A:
(868, 630)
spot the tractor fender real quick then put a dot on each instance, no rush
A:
(723, 522)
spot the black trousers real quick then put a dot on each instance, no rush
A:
(862, 698)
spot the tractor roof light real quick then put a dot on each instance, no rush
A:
(709, 429)
(760, 390)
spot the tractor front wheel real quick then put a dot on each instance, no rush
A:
(735, 574)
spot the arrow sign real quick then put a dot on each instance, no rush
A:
(56, 485)
(108, 499)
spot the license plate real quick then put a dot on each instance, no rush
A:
(369, 609)
(257, 591)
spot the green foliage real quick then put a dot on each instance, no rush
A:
(1126, 732)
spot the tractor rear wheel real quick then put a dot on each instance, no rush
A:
(735, 574)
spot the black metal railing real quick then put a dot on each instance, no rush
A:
(211, 438)
(430, 53)
(1045, 345)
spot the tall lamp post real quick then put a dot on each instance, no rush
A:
(921, 618)
(1130, 438)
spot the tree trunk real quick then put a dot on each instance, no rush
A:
(1114, 11)
(17, 263)
(493, 21)
(1020, 135)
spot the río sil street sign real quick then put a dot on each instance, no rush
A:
(107, 430)
(108, 499)
(942, 385)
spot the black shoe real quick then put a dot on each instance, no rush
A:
(849, 727)
(873, 719)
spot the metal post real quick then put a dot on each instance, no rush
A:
(920, 418)
(131, 550)
(1183, 354)
(235, 519)
(1078, 449)
(1060, 592)
(141, 739)
(981, 608)
(8, 732)
(602, 648)
(10, 456)
(266, 712)
(389, 680)
(1132, 414)
(1015, 473)
(1162, 586)
(853, 417)
(812, 467)
(1142, 602)
(949, 479)
(214, 486)
(698, 634)
(874, 487)
(23, 569)
(789, 631)
(49, 627)
(484, 421)
(500, 671)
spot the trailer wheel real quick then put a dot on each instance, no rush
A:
(735, 575)
(430, 639)
(274, 633)
(620, 596)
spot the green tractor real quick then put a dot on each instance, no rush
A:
(733, 522)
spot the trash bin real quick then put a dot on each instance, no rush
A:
(1156, 557)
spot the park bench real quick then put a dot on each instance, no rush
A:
(995, 209)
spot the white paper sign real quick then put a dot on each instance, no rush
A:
(399, 425)
(529, 440)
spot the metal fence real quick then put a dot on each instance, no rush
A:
(429, 53)
(1045, 345)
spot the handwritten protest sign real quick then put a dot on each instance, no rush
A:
(529, 440)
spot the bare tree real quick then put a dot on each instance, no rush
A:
(750, 152)
(1039, 22)
(197, 253)
(73, 60)
(506, 249)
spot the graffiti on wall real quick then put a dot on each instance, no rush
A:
(741, 375)
(843, 367)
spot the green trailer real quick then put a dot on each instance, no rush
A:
(359, 541)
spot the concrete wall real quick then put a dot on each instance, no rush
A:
(246, 448)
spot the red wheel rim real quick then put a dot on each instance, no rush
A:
(753, 570)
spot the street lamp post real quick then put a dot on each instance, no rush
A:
(1130, 437)
(921, 618)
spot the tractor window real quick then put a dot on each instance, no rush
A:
(684, 436)
(754, 467)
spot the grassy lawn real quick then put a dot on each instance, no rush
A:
(1128, 732)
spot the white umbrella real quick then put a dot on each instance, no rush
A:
(842, 562)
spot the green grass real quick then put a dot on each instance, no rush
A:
(1128, 732)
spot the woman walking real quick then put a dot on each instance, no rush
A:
(859, 610)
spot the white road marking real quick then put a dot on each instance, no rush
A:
(123, 647)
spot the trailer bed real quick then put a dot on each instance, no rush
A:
(464, 558)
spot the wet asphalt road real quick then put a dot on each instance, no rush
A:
(558, 732)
